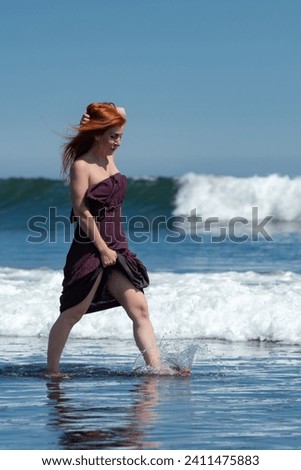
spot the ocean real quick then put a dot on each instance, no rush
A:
(223, 255)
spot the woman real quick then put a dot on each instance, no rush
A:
(100, 272)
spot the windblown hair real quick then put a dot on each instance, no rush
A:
(102, 117)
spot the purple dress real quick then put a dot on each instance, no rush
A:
(83, 262)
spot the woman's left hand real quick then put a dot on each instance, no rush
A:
(108, 257)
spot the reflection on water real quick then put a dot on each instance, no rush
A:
(239, 396)
(101, 409)
(99, 421)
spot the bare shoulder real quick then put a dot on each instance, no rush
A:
(80, 163)
(79, 169)
(79, 180)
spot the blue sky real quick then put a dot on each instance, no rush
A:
(210, 86)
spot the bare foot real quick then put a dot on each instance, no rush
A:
(170, 371)
(57, 375)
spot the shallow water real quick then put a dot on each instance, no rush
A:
(239, 396)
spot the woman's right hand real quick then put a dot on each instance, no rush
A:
(84, 119)
(108, 257)
(121, 111)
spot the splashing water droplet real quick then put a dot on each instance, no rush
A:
(173, 355)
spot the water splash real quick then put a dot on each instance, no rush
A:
(173, 356)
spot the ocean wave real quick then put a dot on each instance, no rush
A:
(207, 196)
(228, 306)
(226, 197)
(23, 198)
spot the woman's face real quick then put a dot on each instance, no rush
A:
(111, 139)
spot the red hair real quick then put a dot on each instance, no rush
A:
(102, 117)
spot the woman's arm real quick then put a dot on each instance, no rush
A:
(79, 183)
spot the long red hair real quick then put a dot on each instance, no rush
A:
(102, 117)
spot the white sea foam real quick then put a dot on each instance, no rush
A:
(232, 306)
(226, 196)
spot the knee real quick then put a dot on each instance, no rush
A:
(72, 315)
(139, 312)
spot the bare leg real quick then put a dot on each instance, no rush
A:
(61, 329)
(135, 304)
